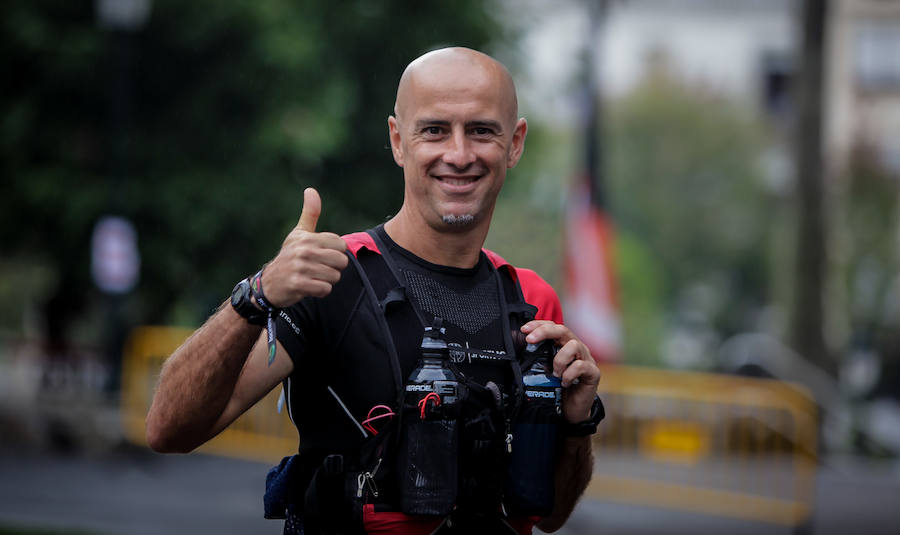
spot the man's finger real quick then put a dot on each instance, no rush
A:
(566, 355)
(312, 207)
(548, 330)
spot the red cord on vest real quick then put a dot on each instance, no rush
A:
(367, 423)
(435, 399)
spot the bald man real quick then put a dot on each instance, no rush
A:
(339, 320)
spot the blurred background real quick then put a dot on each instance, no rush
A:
(712, 186)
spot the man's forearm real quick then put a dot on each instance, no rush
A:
(573, 473)
(197, 381)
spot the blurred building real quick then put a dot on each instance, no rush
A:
(863, 94)
(736, 47)
(747, 50)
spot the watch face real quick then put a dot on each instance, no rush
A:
(238, 293)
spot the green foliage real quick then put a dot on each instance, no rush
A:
(686, 194)
(871, 215)
(690, 214)
(527, 226)
(640, 278)
(203, 128)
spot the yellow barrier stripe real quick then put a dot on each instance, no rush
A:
(775, 398)
(701, 386)
(696, 499)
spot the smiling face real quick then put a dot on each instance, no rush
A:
(455, 134)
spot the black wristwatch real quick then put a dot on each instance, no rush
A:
(589, 426)
(243, 305)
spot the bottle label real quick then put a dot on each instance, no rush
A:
(550, 394)
(448, 390)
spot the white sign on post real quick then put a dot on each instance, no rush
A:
(115, 261)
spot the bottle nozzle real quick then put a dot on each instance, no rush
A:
(544, 348)
(434, 336)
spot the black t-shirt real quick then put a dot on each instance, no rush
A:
(341, 362)
(468, 302)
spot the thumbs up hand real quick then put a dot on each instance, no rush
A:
(309, 263)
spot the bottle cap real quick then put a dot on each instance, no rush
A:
(544, 348)
(434, 337)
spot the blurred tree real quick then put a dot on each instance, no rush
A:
(870, 236)
(237, 106)
(686, 193)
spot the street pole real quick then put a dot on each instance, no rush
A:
(808, 317)
(116, 260)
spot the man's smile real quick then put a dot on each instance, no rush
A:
(458, 183)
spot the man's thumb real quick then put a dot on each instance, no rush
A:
(312, 207)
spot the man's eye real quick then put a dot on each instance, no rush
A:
(481, 131)
(433, 130)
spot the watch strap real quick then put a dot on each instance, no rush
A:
(586, 427)
(256, 288)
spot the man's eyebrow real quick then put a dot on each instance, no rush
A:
(485, 123)
(422, 123)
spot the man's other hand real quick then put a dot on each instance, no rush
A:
(309, 263)
(573, 364)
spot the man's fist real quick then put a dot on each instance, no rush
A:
(573, 364)
(309, 262)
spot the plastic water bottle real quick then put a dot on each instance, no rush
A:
(530, 481)
(430, 436)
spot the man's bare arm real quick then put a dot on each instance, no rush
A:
(573, 473)
(198, 381)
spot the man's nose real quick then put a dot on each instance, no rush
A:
(459, 153)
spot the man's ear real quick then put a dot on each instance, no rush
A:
(518, 143)
(394, 133)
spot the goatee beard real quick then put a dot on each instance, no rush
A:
(458, 220)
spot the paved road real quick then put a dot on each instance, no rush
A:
(134, 494)
(137, 492)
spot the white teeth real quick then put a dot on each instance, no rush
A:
(457, 181)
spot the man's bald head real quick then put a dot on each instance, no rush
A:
(455, 133)
(456, 65)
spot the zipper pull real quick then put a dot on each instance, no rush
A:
(360, 481)
(509, 439)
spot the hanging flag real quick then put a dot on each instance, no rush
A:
(591, 304)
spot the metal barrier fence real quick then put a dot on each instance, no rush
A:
(717, 444)
(707, 443)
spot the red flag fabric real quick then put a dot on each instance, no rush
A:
(591, 304)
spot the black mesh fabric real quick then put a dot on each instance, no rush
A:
(471, 311)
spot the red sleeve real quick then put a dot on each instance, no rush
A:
(540, 294)
(536, 290)
(358, 240)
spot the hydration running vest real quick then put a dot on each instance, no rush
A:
(339, 489)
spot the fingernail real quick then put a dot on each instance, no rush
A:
(531, 338)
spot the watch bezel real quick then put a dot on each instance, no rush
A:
(242, 304)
